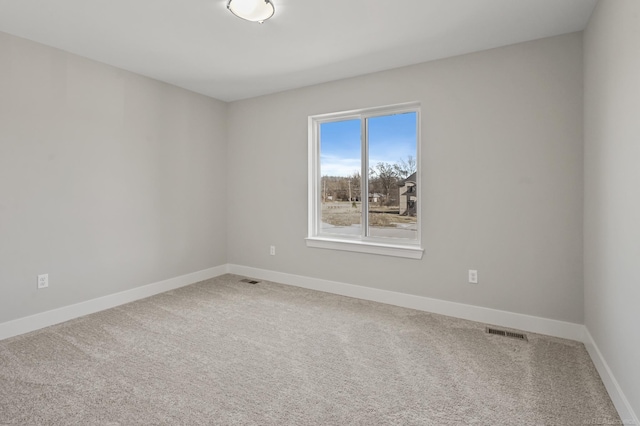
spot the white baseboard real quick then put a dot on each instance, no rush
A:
(66, 313)
(459, 310)
(618, 398)
(523, 322)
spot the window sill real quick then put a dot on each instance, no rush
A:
(396, 250)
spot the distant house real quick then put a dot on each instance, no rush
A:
(375, 197)
(408, 190)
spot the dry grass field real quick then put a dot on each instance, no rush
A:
(343, 213)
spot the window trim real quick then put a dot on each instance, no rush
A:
(411, 249)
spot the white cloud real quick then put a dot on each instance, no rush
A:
(336, 166)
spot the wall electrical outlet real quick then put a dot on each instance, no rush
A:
(43, 280)
(272, 250)
(473, 276)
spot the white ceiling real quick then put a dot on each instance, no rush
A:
(201, 46)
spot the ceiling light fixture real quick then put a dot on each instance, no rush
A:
(252, 10)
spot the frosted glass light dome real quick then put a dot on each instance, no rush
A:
(252, 10)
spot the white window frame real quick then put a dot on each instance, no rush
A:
(411, 249)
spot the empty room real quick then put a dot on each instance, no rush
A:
(279, 212)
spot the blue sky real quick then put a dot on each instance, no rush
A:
(391, 138)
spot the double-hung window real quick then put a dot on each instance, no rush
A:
(364, 181)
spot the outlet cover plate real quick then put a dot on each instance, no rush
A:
(43, 281)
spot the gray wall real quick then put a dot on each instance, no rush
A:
(108, 180)
(502, 179)
(612, 188)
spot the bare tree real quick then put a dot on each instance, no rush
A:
(404, 169)
(354, 186)
(383, 177)
(340, 188)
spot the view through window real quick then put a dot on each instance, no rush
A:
(367, 168)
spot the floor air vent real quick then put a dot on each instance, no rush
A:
(250, 281)
(519, 336)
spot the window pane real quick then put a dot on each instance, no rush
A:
(340, 166)
(393, 191)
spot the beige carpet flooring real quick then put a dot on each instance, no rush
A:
(223, 352)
